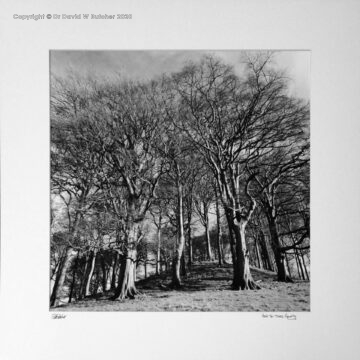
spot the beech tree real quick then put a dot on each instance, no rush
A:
(232, 122)
(210, 136)
(126, 122)
(277, 179)
(73, 168)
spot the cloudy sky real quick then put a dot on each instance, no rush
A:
(149, 64)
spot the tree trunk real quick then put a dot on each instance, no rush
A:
(74, 277)
(104, 274)
(298, 265)
(207, 235)
(303, 260)
(55, 286)
(135, 273)
(97, 281)
(231, 237)
(219, 234)
(190, 249)
(114, 273)
(283, 276)
(209, 254)
(242, 277)
(287, 265)
(183, 265)
(158, 252)
(126, 285)
(88, 273)
(176, 278)
(297, 257)
(60, 278)
(265, 251)
(257, 250)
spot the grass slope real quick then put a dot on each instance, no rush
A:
(206, 288)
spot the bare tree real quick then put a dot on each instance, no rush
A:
(279, 188)
(127, 121)
(73, 168)
(232, 122)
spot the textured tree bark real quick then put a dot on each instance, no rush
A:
(242, 277)
(59, 282)
(126, 284)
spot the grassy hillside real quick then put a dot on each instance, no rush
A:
(206, 288)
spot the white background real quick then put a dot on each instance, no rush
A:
(330, 29)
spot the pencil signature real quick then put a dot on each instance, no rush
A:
(58, 316)
(279, 316)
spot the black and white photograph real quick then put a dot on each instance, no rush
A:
(180, 180)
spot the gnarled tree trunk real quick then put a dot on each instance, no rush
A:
(126, 284)
(242, 277)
